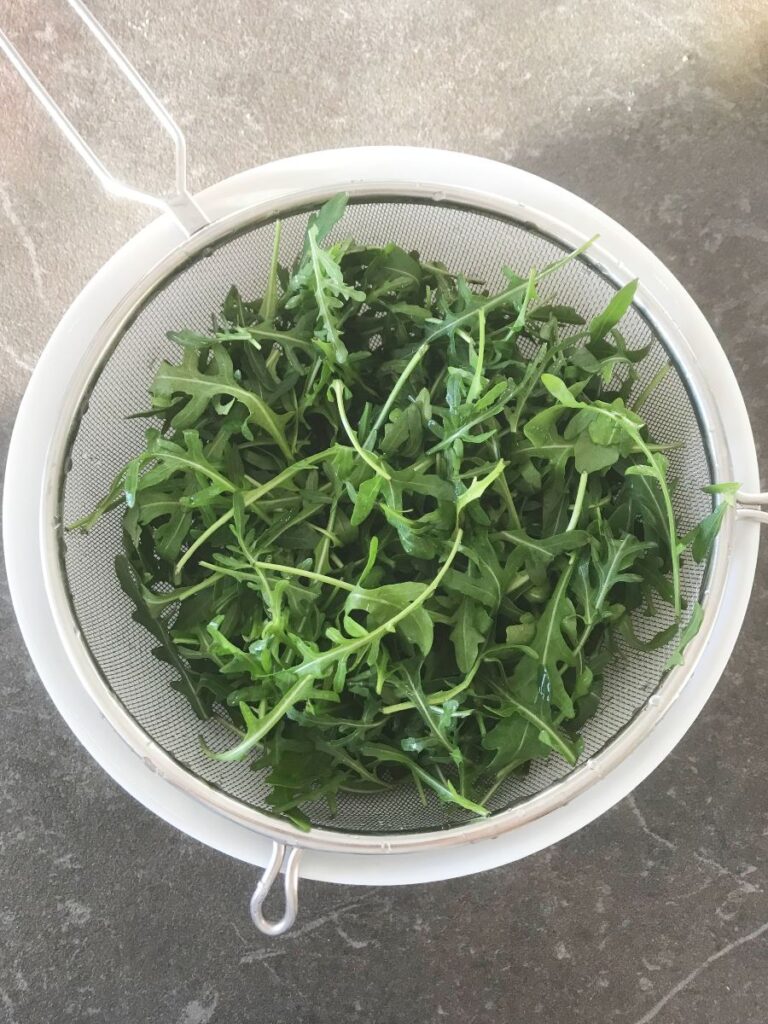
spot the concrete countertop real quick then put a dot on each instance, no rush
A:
(658, 114)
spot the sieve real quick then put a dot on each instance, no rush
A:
(72, 436)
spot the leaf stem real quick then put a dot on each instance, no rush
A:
(436, 698)
(248, 499)
(397, 387)
(257, 728)
(660, 478)
(477, 379)
(556, 740)
(578, 503)
(324, 657)
(338, 389)
(289, 570)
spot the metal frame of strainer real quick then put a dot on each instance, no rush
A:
(34, 473)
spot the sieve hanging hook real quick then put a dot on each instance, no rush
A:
(289, 857)
(747, 506)
(180, 204)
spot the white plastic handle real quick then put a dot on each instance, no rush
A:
(180, 204)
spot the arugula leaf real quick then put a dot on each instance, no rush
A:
(617, 556)
(603, 323)
(382, 603)
(188, 683)
(559, 391)
(690, 630)
(445, 790)
(203, 388)
(479, 486)
(469, 631)
(702, 538)
(516, 741)
(365, 499)
(546, 733)
(590, 457)
(326, 218)
(268, 307)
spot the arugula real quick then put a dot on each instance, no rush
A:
(393, 526)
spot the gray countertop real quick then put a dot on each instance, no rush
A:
(658, 114)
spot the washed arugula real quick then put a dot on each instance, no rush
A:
(393, 527)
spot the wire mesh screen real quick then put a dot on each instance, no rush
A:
(475, 243)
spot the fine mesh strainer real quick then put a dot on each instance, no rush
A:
(72, 437)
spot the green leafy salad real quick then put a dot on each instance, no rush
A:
(393, 526)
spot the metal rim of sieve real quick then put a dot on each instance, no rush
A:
(529, 809)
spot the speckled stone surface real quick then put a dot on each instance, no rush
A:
(656, 112)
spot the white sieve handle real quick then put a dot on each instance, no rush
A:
(287, 856)
(747, 506)
(180, 204)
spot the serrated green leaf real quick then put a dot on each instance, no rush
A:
(204, 386)
(479, 486)
(365, 499)
(559, 390)
(689, 632)
(613, 312)
(470, 630)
